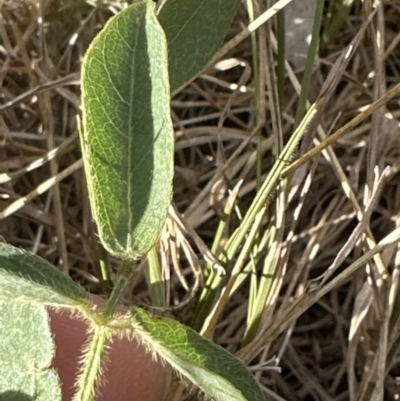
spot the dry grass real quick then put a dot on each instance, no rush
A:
(336, 339)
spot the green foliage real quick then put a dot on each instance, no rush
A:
(214, 370)
(210, 367)
(26, 350)
(127, 137)
(20, 269)
(127, 147)
(195, 30)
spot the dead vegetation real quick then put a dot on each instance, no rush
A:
(331, 314)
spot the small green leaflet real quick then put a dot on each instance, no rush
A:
(195, 31)
(31, 279)
(207, 365)
(127, 136)
(27, 350)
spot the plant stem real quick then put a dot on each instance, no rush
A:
(119, 287)
(91, 371)
(157, 290)
(308, 69)
(105, 268)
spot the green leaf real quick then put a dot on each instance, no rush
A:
(27, 350)
(127, 138)
(29, 278)
(195, 30)
(210, 367)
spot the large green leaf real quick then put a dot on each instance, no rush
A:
(213, 369)
(127, 138)
(26, 352)
(31, 279)
(195, 30)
